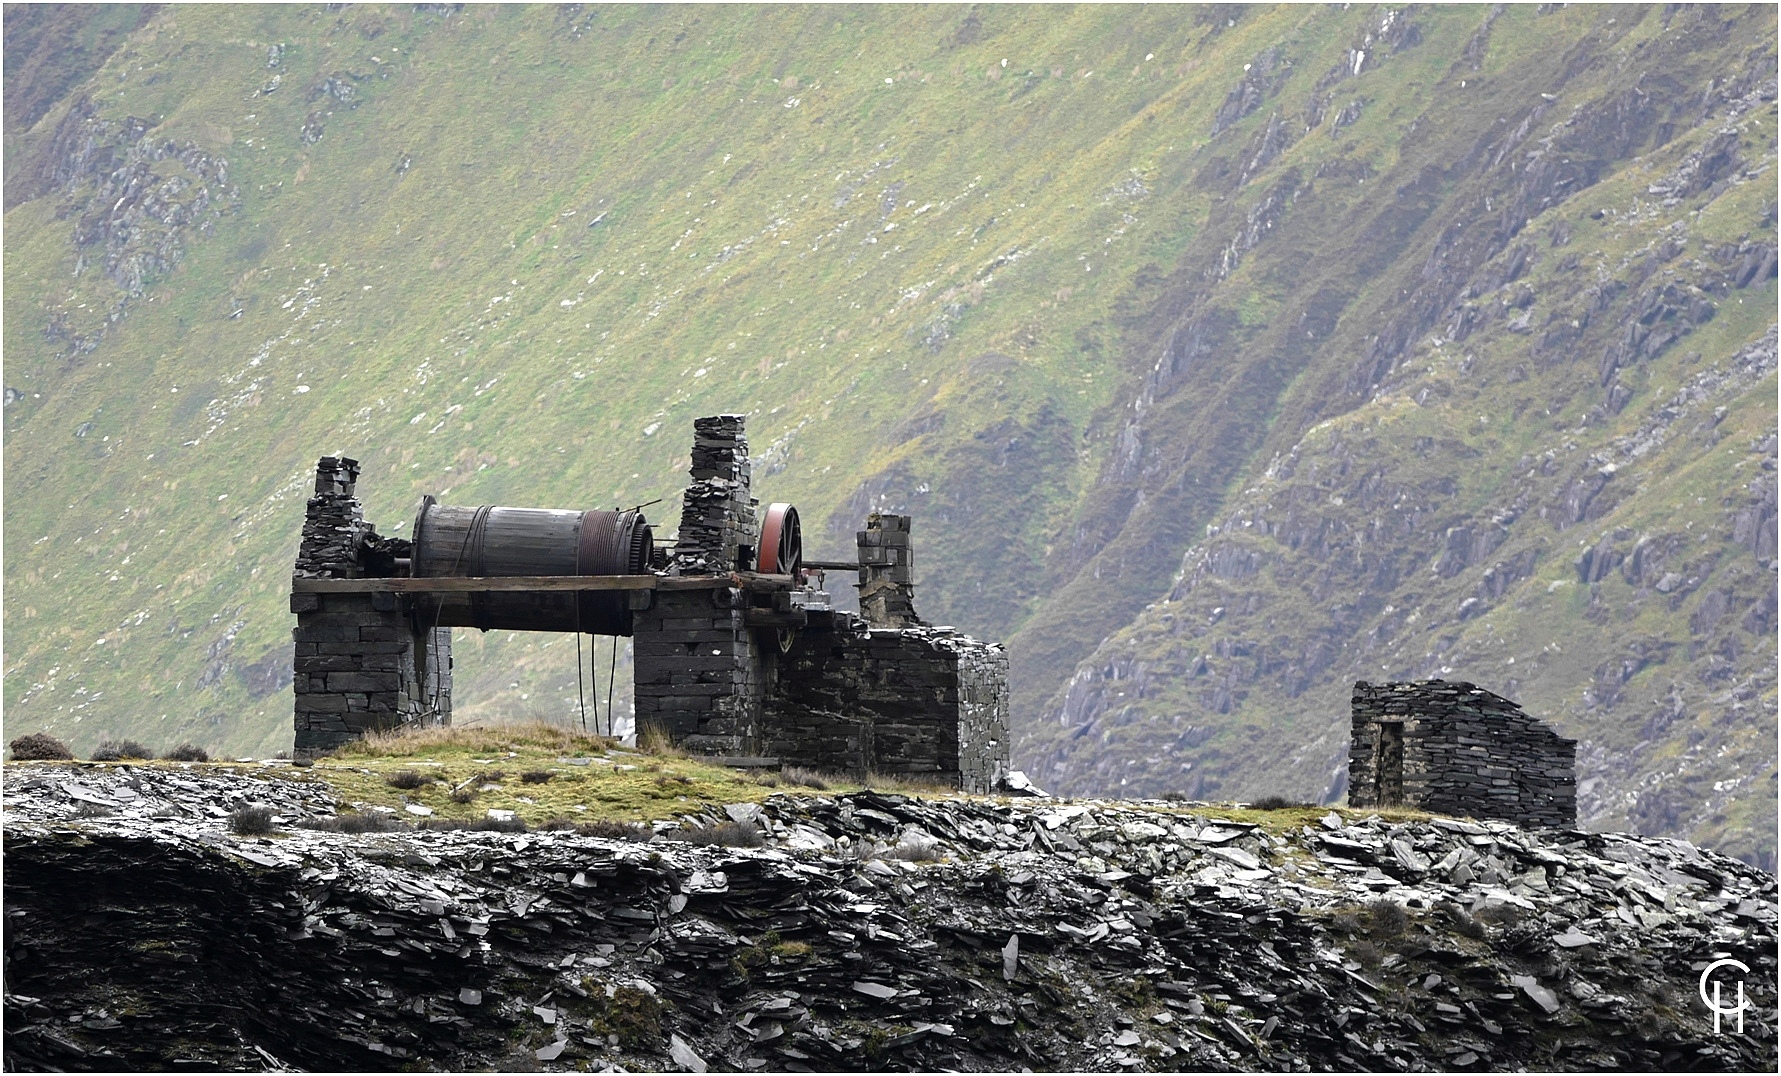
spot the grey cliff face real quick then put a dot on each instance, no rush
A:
(871, 931)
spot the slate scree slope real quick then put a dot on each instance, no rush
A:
(739, 652)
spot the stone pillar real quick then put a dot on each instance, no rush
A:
(700, 671)
(362, 663)
(887, 572)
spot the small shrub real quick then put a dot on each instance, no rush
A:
(914, 850)
(535, 777)
(251, 821)
(464, 794)
(1345, 923)
(673, 780)
(369, 822)
(1368, 954)
(406, 779)
(1501, 915)
(728, 834)
(39, 745)
(557, 824)
(798, 775)
(1387, 917)
(1463, 922)
(480, 825)
(191, 752)
(766, 780)
(113, 750)
(1277, 803)
(618, 831)
(1175, 795)
(494, 777)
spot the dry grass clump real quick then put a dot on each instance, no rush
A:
(1278, 803)
(478, 825)
(479, 739)
(617, 831)
(251, 821)
(39, 745)
(368, 822)
(653, 740)
(914, 850)
(188, 752)
(406, 779)
(115, 750)
(464, 795)
(803, 778)
(920, 786)
(1387, 917)
(728, 834)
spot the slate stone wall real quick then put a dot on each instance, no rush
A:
(887, 571)
(1464, 751)
(917, 702)
(700, 672)
(361, 662)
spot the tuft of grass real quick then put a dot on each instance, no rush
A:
(1387, 918)
(476, 739)
(618, 831)
(251, 821)
(728, 834)
(653, 740)
(406, 779)
(798, 775)
(1279, 803)
(366, 822)
(914, 850)
(921, 786)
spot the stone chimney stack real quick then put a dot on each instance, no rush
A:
(887, 572)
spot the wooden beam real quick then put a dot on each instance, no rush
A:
(488, 584)
(456, 584)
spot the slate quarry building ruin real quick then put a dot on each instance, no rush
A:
(1455, 748)
(738, 650)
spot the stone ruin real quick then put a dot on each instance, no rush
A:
(755, 667)
(1455, 748)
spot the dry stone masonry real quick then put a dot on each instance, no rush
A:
(1455, 748)
(362, 663)
(726, 661)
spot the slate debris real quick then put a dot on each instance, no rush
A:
(1090, 935)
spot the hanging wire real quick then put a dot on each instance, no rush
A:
(594, 671)
(579, 697)
(611, 678)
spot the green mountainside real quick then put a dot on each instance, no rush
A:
(1225, 354)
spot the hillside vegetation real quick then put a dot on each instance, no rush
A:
(1223, 354)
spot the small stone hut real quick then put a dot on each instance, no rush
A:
(1455, 748)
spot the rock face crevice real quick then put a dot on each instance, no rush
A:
(1091, 936)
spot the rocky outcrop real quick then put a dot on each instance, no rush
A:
(872, 931)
